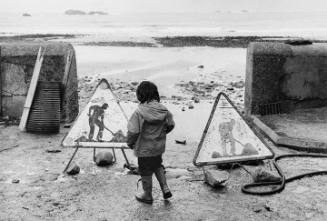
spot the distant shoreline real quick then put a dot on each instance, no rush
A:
(171, 41)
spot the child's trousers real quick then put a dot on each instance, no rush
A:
(148, 165)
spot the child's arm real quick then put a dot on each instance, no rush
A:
(170, 122)
(133, 130)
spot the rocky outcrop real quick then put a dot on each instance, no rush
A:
(74, 12)
(97, 13)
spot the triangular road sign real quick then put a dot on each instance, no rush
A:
(227, 137)
(102, 123)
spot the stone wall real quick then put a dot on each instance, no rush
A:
(294, 76)
(17, 64)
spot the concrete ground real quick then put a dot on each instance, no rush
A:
(33, 187)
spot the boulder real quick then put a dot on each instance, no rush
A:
(104, 158)
(215, 178)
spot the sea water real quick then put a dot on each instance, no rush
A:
(136, 25)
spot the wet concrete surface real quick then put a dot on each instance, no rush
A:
(43, 192)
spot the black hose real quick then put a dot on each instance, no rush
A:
(280, 185)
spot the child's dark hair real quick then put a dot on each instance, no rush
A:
(147, 91)
(105, 106)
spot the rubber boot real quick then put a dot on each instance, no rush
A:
(146, 195)
(161, 177)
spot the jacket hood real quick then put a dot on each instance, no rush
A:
(153, 111)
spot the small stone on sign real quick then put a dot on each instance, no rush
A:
(215, 154)
(104, 158)
(73, 169)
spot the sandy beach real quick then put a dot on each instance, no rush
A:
(190, 70)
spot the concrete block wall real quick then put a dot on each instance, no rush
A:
(17, 64)
(295, 76)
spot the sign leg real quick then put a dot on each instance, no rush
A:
(122, 150)
(114, 155)
(94, 152)
(71, 159)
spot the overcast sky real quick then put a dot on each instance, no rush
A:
(117, 6)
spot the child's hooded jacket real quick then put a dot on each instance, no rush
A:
(147, 129)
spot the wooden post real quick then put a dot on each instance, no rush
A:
(65, 82)
(31, 90)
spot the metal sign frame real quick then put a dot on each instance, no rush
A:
(102, 145)
(228, 160)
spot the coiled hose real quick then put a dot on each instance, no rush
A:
(280, 185)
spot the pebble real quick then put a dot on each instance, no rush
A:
(15, 181)
(196, 99)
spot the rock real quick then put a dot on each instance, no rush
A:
(73, 169)
(261, 207)
(215, 178)
(67, 125)
(239, 84)
(53, 151)
(215, 154)
(201, 66)
(74, 12)
(26, 15)
(97, 13)
(56, 203)
(104, 158)
(196, 100)
(15, 181)
(190, 106)
(134, 83)
(261, 175)
(180, 142)
(183, 108)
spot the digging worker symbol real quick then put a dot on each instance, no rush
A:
(96, 116)
(226, 136)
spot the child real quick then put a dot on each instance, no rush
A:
(147, 129)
